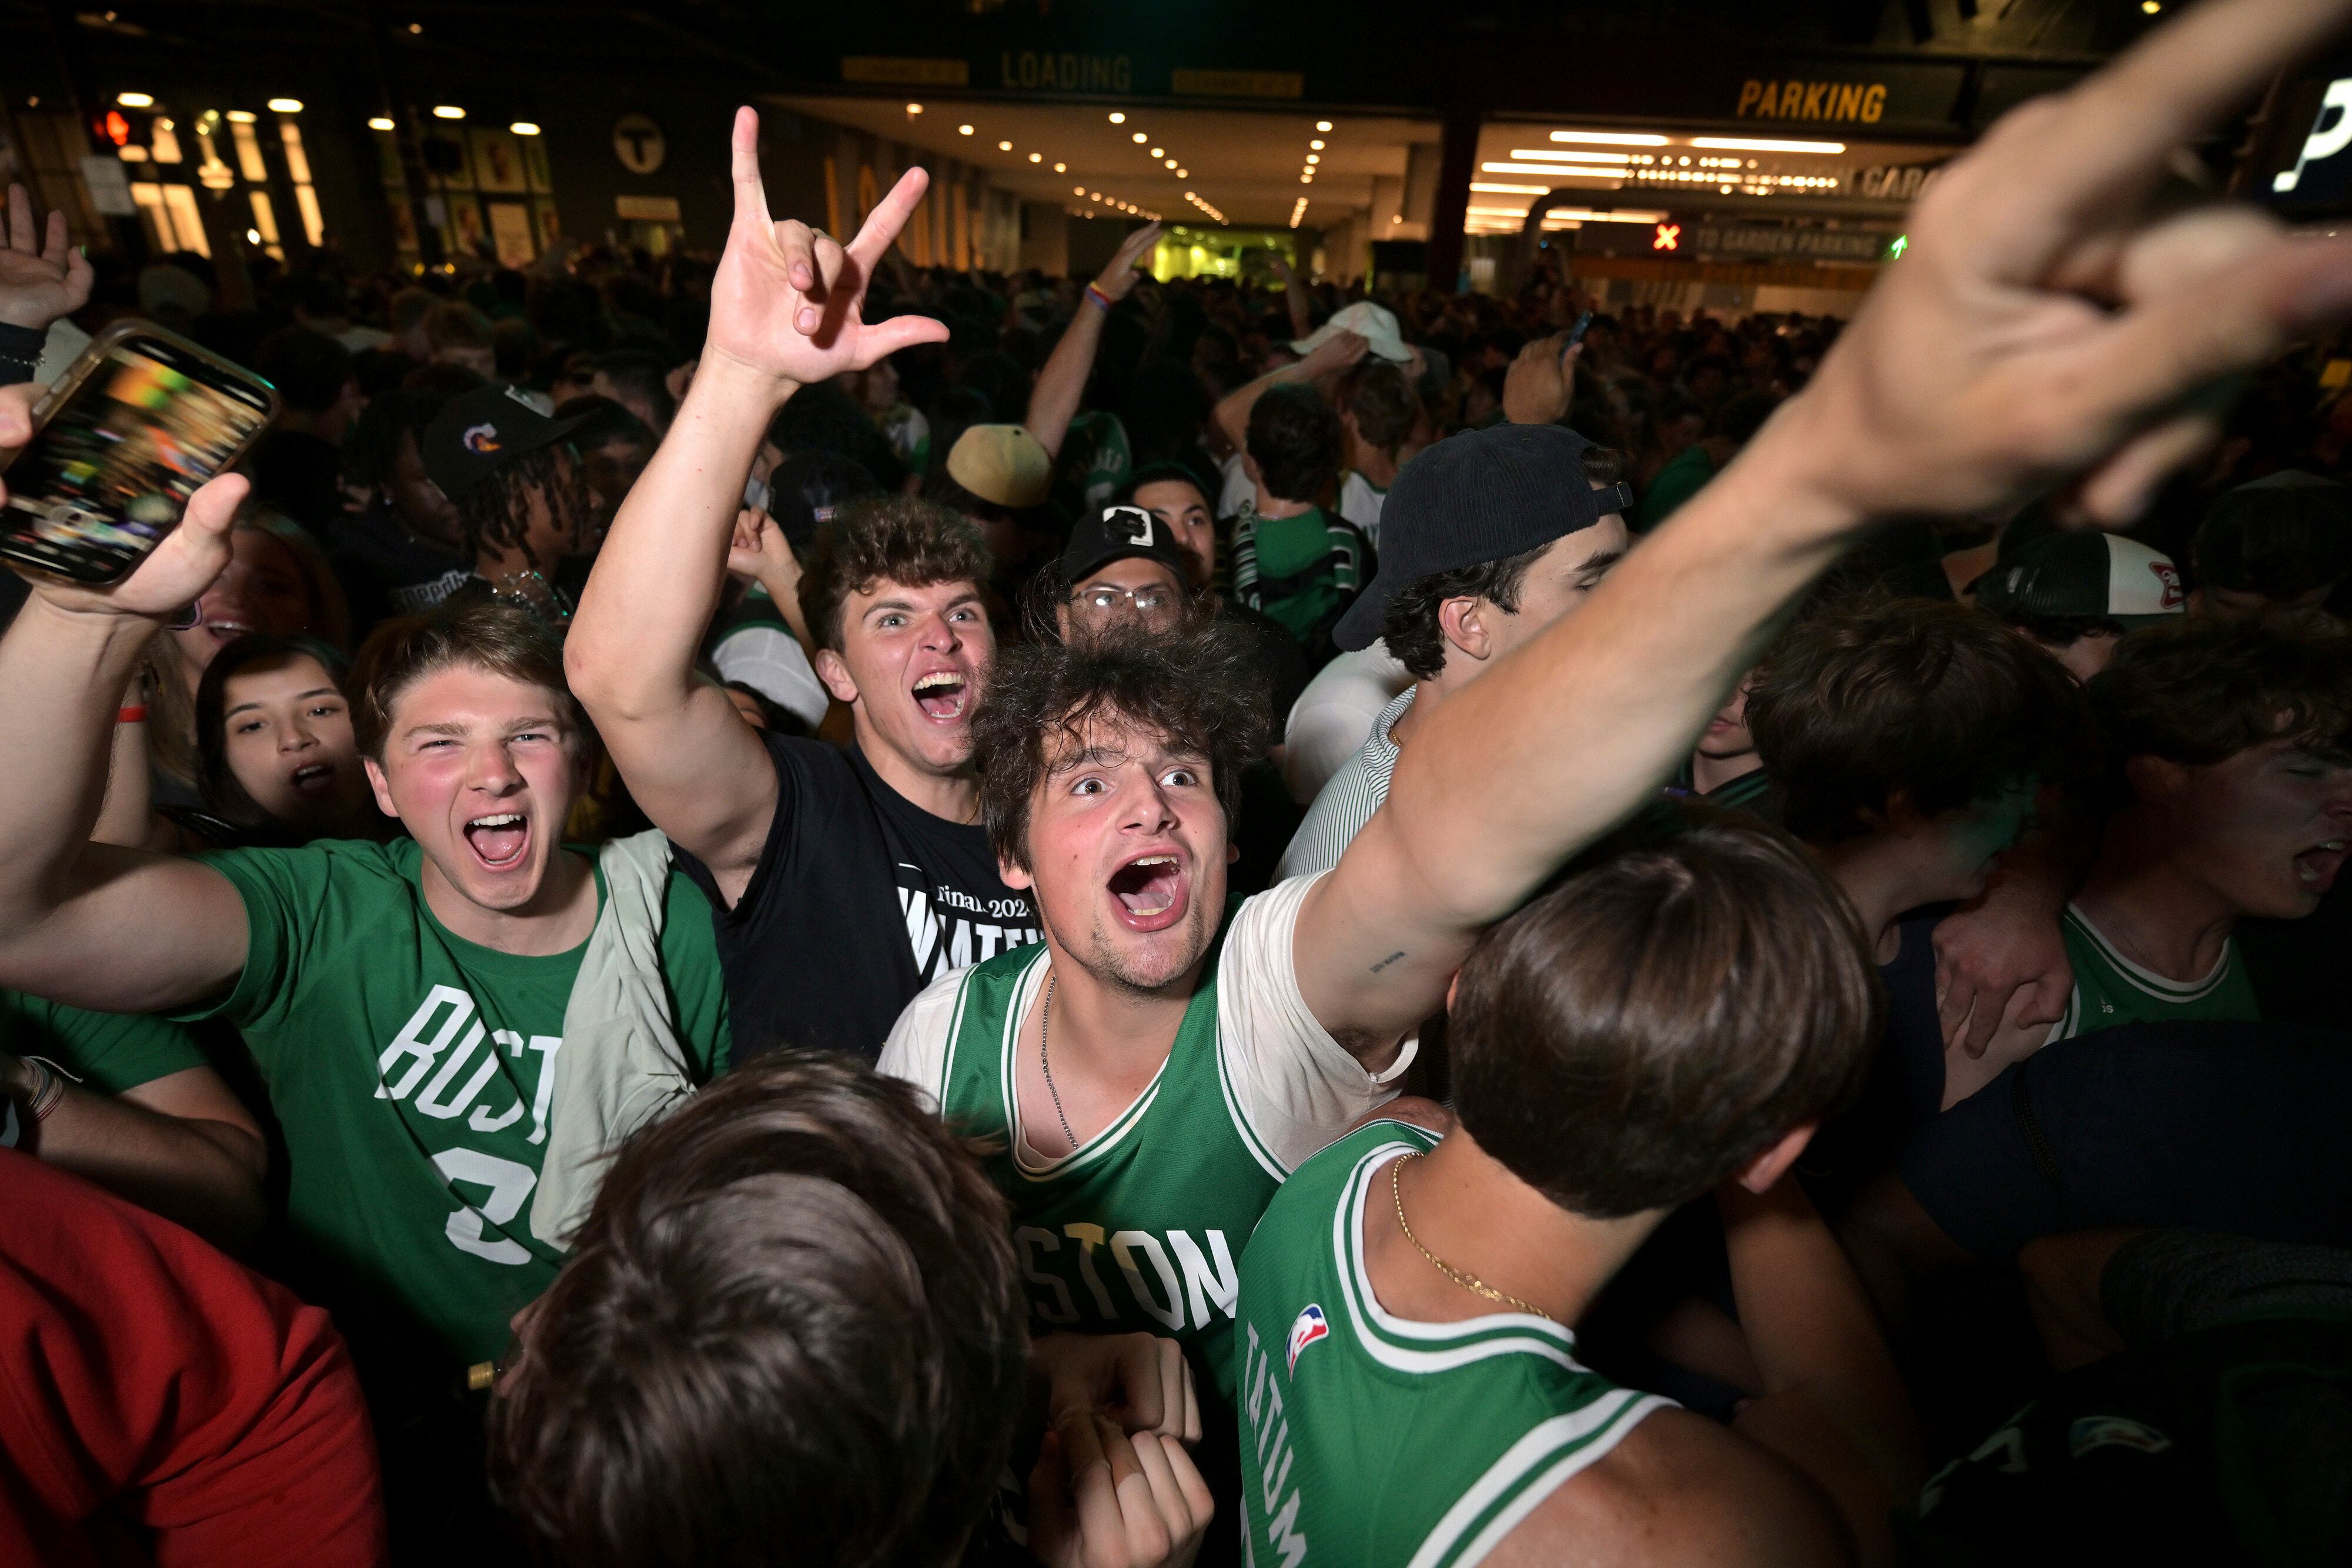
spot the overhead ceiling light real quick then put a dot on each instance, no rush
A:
(1140, 136)
(1061, 167)
(447, 111)
(1159, 152)
(1116, 118)
(135, 99)
(380, 122)
(1316, 145)
(1490, 190)
(1005, 147)
(963, 130)
(1558, 170)
(1077, 190)
(914, 109)
(1766, 144)
(1170, 162)
(1183, 173)
(284, 106)
(523, 127)
(1550, 155)
(1313, 159)
(1610, 138)
(1322, 125)
(245, 116)
(1036, 157)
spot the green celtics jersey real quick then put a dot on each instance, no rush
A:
(2110, 989)
(412, 1071)
(1373, 1440)
(1139, 1228)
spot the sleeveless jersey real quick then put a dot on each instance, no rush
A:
(1376, 1441)
(2110, 989)
(1140, 1229)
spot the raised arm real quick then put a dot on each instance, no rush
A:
(786, 309)
(91, 925)
(1334, 354)
(2041, 328)
(1054, 401)
(1294, 297)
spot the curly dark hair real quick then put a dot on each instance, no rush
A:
(1200, 689)
(2200, 689)
(496, 512)
(1939, 704)
(892, 538)
(1410, 625)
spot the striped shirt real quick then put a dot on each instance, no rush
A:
(1349, 800)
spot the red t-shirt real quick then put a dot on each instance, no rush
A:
(161, 1403)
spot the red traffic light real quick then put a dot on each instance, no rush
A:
(1669, 236)
(114, 128)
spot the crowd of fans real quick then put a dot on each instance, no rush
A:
(792, 908)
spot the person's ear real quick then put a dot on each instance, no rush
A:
(1759, 1174)
(1462, 623)
(1013, 875)
(834, 674)
(380, 786)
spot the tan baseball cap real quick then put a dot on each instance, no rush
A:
(1002, 464)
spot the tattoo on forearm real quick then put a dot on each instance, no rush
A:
(1387, 961)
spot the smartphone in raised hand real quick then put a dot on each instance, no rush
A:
(126, 436)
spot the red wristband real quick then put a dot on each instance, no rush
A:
(131, 713)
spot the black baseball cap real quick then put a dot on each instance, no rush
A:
(1120, 532)
(476, 431)
(1481, 495)
(2085, 575)
(809, 487)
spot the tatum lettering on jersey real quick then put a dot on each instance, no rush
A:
(1262, 1405)
(1142, 1267)
(949, 929)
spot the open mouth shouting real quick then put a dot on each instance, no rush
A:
(2315, 867)
(500, 840)
(225, 632)
(314, 780)
(1151, 892)
(942, 696)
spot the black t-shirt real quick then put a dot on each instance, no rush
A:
(860, 899)
(1279, 656)
(386, 570)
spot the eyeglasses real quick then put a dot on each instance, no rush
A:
(1103, 601)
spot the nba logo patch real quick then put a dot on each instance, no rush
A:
(1308, 1328)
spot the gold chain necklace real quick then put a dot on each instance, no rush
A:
(1470, 1282)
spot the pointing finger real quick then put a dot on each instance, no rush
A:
(882, 224)
(743, 170)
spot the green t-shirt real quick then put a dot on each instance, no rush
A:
(1095, 463)
(1685, 475)
(1381, 1441)
(2110, 989)
(108, 1052)
(409, 1068)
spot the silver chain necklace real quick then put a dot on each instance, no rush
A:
(1044, 1024)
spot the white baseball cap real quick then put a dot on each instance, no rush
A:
(1374, 323)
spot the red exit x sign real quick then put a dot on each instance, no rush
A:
(1668, 237)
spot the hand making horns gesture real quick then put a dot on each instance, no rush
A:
(788, 300)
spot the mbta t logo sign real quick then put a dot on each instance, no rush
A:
(1669, 236)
